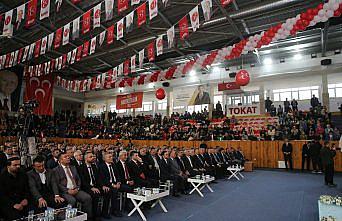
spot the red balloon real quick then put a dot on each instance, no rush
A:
(242, 78)
(160, 94)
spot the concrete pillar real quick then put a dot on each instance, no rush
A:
(211, 105)
(169, 100)
(107, 110)
(325, 91)
(154, 107)
(262, 99)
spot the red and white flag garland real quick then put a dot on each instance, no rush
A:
(159, 45)
(66, 34)
(8, 27)
(44, 9)
(153, 8)
(120, 29)
(31, 13)
(97, 16)
(194, 18)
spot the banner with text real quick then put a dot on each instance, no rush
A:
(129, 101)
(239, 111)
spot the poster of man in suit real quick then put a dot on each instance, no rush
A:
(200, 96)
(10, 87)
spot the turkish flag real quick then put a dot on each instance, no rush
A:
(122, 5)
(40, 89)
(86, 22)
(183, 28)
(141, 12)
(150, 51)
(58, 38)
(37, 48)
(31, 13)
(110, 35)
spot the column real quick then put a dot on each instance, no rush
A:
(262, 99)
(169, 100)
(211, 105)
(154, 107)
(325, 91)
(107, 110)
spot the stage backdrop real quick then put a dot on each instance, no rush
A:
(128, 101)
(10, 88)
(196, 95)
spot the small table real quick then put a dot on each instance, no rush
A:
(326, 210)
(200, 183)
(235, 171)
(138, 200)
(60, 216)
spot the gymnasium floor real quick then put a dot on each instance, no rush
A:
(262, 196)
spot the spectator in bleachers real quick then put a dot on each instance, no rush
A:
(294, 105)
(287, 107)
(314, 101)
(268, 104)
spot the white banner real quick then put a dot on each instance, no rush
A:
(26, 50)
(92, 45)
(159, 45)
(171, 36)
(249, 110)
(153, 8)
(50, 40)
(102, 37)
(66, 34)
(120, 70)
(109, 5)
(8, 27)
(119, 29)
(44, 9)
(141, 58)
(73, 56)
(20, 14)
(97, 16)
(135, 2)
(206, 7)
(133, 61)
(197, 95)
(129, 22)
(76, 28)
(43, 45)
(194, 18)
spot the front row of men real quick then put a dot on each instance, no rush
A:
(90, 181)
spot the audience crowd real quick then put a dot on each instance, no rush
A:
(69, 174)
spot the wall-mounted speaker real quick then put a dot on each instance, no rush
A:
(166, 84)
(232, 75)
(326, 62)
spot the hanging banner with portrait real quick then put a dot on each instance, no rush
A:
(190, 96)
(10, 88)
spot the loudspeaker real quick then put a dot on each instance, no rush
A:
(326, 62)
(232, 75)
(166, 84)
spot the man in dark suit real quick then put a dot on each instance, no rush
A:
(14, 191)
(154, 171)
(315, 149)
(43, 186)
(91, 182)
(177, 172)
(8, 151)
(306, 156)
(53, 162)
(327, 155)
(77, 161)
(189, 163)
(287, 151)
(167, 174)
(124, 175)
(112, 184)
(69, 184)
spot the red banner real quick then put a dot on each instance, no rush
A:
(122, 5)
(228, 86)
(40, 89)
(85, 49)
(86, 22)
(79, 52)
(126, 67)
(110, 34)
(225, 2)
(150, 51)
(58, 38)
(129, 101)
(141, 12)
(183, 28)
(31, 13)
(37, 48)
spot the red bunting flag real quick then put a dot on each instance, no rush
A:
(85, 49)
(37, 48)
(86, 22)
(110, 35)
(79, 53)
(58, 38)
(183, 28)
(126, 67)
(75, 1)
(31, 13)
(122, 5)
(226, 2)
(150, 51)
(141, 12)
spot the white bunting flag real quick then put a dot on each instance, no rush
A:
(58, 4)
(20, 14)
(103, 79)
(73, 56)
(69, 56)
(166, 2)
(102, 37)
(97, 16)
(115, 74)
(15, 60)
(26, 50)
(76, 28)
(135, 2)
(171, 36)
(120, 29)
(109, 5)
(141, 58)
(66, 34)
(43, 45)
(11, 59)
(44, 9)
(120, 69)
(133, 61)
(129, 22)
(194, 18)
(48, 67)
(153, 8)
(92, 45)
(60, 61)
(8, 27)
(50, 40)
(206, 7)
(31, 51)
(159, 45)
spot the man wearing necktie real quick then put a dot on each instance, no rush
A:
(112, 185)
(69, 184)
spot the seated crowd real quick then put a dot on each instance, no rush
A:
(68, 174)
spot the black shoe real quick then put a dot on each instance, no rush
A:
(332, 185)
(106, 216)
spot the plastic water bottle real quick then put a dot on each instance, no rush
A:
(68, 211)
(30, 215)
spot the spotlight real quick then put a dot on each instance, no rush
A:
(314, 55)
(192, 73)
(297, 57)
(282, 60)
(268, 61)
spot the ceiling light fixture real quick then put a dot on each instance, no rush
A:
(268, 61)
(297, 57)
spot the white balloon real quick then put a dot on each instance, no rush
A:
(329, 14)
(321, 13)
(324, 19)
(312, 23)
(289, 27)
(317, 19)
